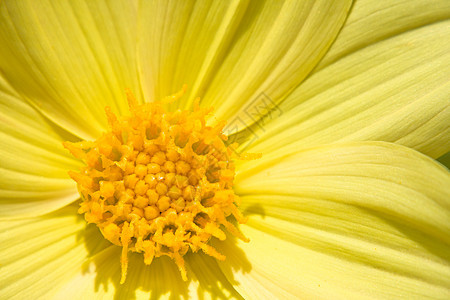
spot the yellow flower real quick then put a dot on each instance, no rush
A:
(347, 102)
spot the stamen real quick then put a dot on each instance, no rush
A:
(159, 183)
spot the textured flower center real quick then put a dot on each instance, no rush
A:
(159, 183)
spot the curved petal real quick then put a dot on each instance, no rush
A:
(33, 163)
(180, 42)
(160, 280)
(372, 21)
(394, 91)
(70, 58)
(274, 50)
(356, 220)
(229, 52)
(101, 281)
(39, 255)
(211, 281)
(283, 270)
(57, 256)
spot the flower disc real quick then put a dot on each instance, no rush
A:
(159, 183)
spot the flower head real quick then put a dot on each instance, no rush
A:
(347, 103)
(160, 183)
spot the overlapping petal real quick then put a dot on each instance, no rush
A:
(33, 163)
(180, 42)
(345, 220)
(39, 255)
(229, 52)
(101, 280)
(275, 48)
(71, 58)
(160, 280)
(366, 219)
(372, 21)
(395, 91)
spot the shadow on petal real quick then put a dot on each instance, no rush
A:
(255, 209)
(432, 244)
(162, 277)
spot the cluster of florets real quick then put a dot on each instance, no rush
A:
(159, 183)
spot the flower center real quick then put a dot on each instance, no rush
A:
(159, 183)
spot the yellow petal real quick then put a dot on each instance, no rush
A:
(38, 255)
(31, 195)
(180, 42)
(395, 90)
(70, 58)
(367, 219)
(274, 49)
(212, 283)
(160, 280)
(229, 52)
(372, 21)
(283, 270)
(33, 172)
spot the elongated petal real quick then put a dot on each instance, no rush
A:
(33, 163)
(276, 47)
(182, 41)
(229, 52)
(211, 280)
(103, 276)
(56, 256)
(367, 219)
(160, 280)
(395, 91)
(372, 21)
(70, 58)
(39, 255)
